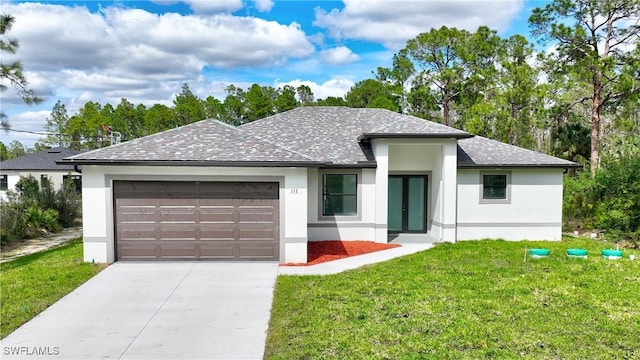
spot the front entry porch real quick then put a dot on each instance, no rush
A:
(408, 204)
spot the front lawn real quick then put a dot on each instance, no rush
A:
(470, 300)
(32, 283)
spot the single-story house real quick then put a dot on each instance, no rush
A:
(39, 165)
(262, 190)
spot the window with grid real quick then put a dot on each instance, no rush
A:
(339, 194)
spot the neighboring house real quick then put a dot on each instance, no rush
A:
(262, 190)
(39, 165)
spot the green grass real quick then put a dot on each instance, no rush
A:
(470, 300)
(32, 283)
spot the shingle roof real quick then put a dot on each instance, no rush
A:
(482, 152)
(307, 136)
(207, 141)
(42, 160)
(330, 133)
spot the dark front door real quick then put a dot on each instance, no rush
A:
(407, 203)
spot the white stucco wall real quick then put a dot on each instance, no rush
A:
(12, 180)
(346, 228)
(56, 178)
(97, 201)
(534, 212)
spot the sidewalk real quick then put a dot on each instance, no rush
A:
(338, 266)
(30, 246)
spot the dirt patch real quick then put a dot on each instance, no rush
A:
(323, 251)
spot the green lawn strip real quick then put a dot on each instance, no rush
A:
(33, 282)
(468, 300)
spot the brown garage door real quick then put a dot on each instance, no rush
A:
(159, 220)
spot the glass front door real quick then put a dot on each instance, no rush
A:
(407, 203)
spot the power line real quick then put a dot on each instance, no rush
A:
(32, 132)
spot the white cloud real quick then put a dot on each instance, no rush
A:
(132, 53)
(220, 40)
(337, 87)
(392, 23)
(339, 56)
(214, 6)
(27, 121)
(264, 5)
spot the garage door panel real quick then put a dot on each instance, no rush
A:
(224, 217)
(138, 250)
(255, 218)
(196, 220)
(255, 234)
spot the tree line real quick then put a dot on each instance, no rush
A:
(577, 100)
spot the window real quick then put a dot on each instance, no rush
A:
(495, 188)
(45, 181)
(4, 184)
(76, 179)
(339, 194)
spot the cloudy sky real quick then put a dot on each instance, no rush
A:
(77, 51)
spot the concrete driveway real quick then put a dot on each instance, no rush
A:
(202, 310)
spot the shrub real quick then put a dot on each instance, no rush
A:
(610, 200)
(68, 203)
(37, 219)
(35, 208)
(28, 188)
(12, 224)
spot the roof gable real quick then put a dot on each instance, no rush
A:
(331, 134)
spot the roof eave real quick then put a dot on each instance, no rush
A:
(196, 163)
(358, 165)
(367, 136)
(518, 166)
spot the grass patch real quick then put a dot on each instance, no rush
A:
(475, 299)
(31, 283)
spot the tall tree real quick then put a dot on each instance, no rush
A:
(86, 127)
(187, 107)
(371, 93)
(128, 120)
(437, 55)
(234, 107)
(591, 36)
(16, 149)
(4, 152)
(331, 101)
(258, 102)
(213, 108)
(305, 95)
(12, 71)
(397, 77)
(158, 118)
(57, 125)
(286, 99)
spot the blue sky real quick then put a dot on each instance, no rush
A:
(79, 51)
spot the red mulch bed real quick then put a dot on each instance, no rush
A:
(323, 251)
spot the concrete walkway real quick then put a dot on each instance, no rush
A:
(338, 266)
(30, 246)
(169, 310)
